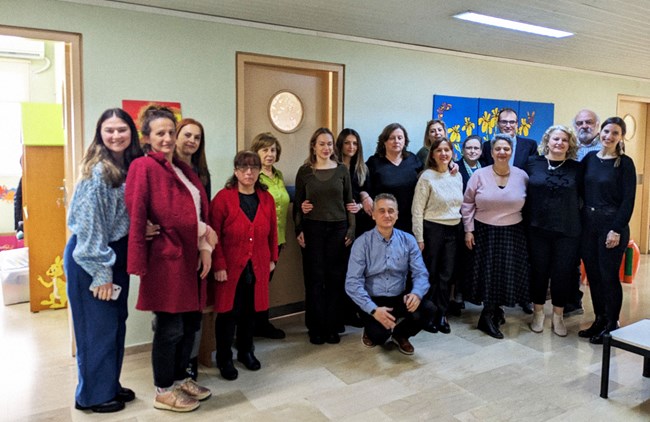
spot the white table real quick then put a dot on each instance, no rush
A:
(634, 338)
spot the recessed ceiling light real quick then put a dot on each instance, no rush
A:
(508, 24)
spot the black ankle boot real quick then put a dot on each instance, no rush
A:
(596, 327)
(487, 325)
(598, 338)
(499, 316)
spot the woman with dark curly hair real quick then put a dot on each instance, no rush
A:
(394, 170)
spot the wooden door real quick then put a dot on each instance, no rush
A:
(635, 114)
(45, 230)
(319, 87)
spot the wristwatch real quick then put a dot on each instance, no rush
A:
(373, 312)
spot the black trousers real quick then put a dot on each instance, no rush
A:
(241, 318)
(439, 255)
(324, 268)
(602, 264)
(552, 257)
(172, 345)
(412, 323)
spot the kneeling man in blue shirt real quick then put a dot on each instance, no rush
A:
(377, 276)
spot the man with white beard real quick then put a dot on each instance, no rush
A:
(586, 125)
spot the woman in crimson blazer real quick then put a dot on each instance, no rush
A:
(163, 190)
(243, 215)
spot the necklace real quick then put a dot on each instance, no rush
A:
(550, 167)
(499, 174)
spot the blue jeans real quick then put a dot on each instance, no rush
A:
(99, 327)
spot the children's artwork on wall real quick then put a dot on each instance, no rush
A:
(465, 116)
(135, 107)
(7, 194)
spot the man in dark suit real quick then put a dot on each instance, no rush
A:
(523, 147)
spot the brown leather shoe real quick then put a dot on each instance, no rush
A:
(404, 345)
(365, 340)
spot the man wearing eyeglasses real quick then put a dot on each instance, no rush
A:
(586, 125)
(523, 147)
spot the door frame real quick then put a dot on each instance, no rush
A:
(645, 199)
(335, 87)
(72, 95)
(72, 111)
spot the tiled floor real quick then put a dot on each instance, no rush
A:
(463, 376)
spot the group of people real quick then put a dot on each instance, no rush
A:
(492, 228)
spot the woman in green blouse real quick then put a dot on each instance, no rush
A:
(268, 148)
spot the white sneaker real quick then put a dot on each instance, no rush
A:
(558, 325)
(537, 326)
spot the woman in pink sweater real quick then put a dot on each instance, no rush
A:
(492, 218)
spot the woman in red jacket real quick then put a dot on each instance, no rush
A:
(167, 192)
(243, 215)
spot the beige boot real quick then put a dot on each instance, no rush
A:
(538, 321)
(558, 325)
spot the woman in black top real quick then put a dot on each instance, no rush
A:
(609, 190)
(553, 215)
(350, 150)
(394, 170)
(324, 228)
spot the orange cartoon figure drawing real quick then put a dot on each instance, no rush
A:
(58, 297)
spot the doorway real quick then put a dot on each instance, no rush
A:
(635, 112)
(72, 122)
(314, 97)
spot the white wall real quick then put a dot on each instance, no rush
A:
(133, 55)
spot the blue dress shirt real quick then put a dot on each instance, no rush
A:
(378, 267)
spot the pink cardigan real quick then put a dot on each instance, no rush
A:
(167, 264)
(241, 240)
(486, 202)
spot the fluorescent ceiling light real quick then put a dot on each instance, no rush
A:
(508, 24)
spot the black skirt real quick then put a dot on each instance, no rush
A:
(499, 274)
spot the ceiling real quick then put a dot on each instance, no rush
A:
(612, 36)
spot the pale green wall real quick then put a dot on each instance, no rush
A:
(133, 55)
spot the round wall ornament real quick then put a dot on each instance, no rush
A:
(630, 124)
(285, 111)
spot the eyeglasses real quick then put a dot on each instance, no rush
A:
(472, 148)
(585, 122)
(507, 122)
(244, 169)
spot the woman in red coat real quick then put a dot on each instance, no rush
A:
(243, 215)
(167, 192)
